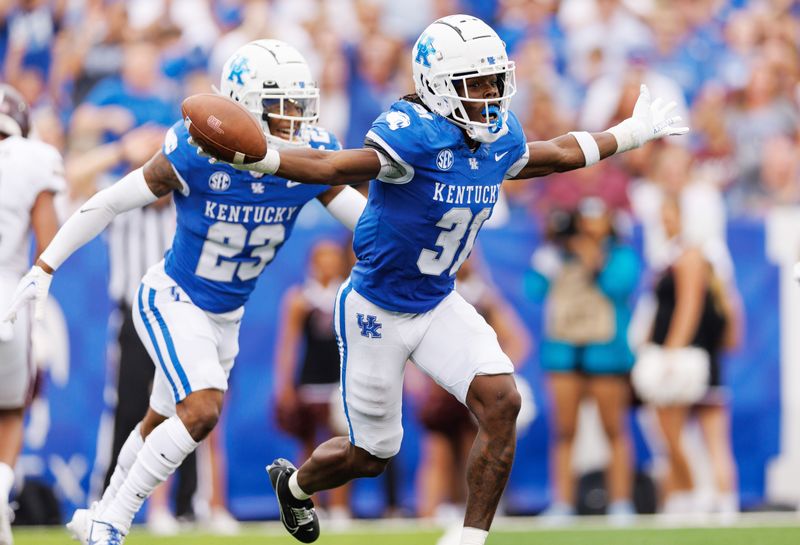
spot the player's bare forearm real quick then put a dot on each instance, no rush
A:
(562, 154)
(310, 166)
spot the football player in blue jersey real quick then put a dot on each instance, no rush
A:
(437, 159)
(230, 224)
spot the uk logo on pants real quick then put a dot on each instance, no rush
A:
(369, 326)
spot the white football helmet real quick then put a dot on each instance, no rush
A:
(448, 53)
(264, 73)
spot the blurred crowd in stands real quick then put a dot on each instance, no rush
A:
(731, 65)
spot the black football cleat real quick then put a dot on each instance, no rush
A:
(298, 516)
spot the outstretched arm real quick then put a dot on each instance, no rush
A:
(314, 166)
(310, 166)
(651, 120)
(139, 188)
(563, 153)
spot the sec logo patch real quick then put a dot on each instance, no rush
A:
(219, 181)
(445, 159)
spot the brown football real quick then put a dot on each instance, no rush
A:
(224, 128)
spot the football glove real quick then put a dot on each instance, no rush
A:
(651, 120)
(33, 287)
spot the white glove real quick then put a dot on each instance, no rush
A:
(200, 151)
(34, 286)
(268, 165)
(650, 120)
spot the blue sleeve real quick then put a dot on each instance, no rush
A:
(182, 155)
(620, 275)
(400, 132)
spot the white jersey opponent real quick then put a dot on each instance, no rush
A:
(27, 168)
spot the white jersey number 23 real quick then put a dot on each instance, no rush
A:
(227, 240)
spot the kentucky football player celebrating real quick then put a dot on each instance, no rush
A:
(437, 159)
(230, 224)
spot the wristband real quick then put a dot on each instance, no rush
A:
(269, 164)
(591, 153)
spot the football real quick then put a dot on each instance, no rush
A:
(224, 128)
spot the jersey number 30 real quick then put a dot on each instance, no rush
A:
(225, 241)
(455, 221)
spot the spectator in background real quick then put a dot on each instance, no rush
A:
(449, 427)
(586, 277)
(694, 309)
(307, 361)
(255, 23)
(611, 96)
(31, 32)
(672, 55)
(780, 175)
(704, 218)
(138, 96)
(711, 144)
(741, 34)
(600, 36)
(543, 95)
(521, 20)
(373, 61)
(758, 113)
(89, 51)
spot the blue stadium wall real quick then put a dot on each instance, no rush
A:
(252, 440)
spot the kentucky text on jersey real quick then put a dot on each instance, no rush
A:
(237, 213)
(466, 194)
(420, 226)
(230, 224)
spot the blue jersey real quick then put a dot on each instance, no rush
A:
(230, 223)
(418, 228)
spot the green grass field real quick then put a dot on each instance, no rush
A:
(783, 531)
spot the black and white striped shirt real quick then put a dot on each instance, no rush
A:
(137, 240)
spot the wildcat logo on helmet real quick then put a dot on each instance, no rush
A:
(219, 181)
(424, 50)
(239, 67)
(444, 160)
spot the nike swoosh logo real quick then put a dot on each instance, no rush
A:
(498, 156)
(292, 184)
(88, 209)
(167, 459)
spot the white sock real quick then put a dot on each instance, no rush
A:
(728, 503)
(163, 451)
(6, 481)
(295, 489)
(473, 536)
(125, 459)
